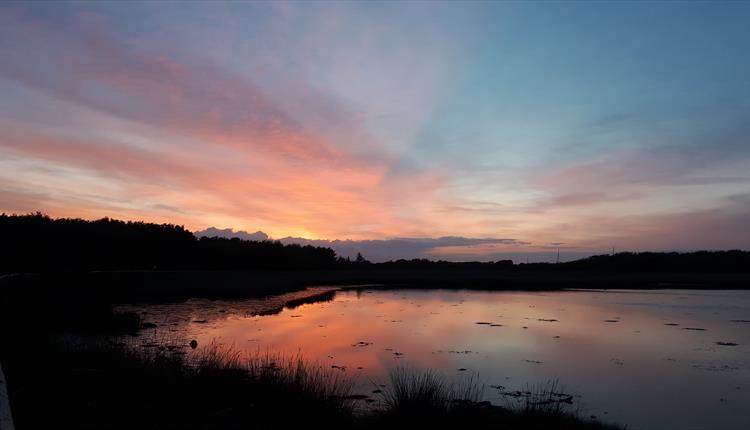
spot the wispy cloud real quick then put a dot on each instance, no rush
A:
(373, 121)
(187, 125)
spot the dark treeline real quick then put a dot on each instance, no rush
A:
(38, 243)
(734, 261)
(625, 262)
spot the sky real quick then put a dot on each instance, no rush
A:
(462, 131)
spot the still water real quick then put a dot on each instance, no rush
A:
(666, 359)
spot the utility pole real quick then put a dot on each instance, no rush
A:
(558, 255)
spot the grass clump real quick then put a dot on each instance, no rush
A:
(427, 399)
(417, 392)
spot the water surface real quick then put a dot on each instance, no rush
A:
(646, 359)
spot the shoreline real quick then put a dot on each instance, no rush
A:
(160, 286)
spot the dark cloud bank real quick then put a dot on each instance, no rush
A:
(389, 249)
(230, 233)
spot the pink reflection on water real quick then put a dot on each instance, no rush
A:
(614, 349)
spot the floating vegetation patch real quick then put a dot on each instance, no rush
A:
(533, 398)
(715, 368)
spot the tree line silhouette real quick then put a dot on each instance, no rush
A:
(38, 243)
(733, 261)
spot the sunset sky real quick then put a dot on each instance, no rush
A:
(510, 127)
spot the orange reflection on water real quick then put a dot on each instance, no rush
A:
(622, 351)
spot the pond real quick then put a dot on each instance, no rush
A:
(663, 359)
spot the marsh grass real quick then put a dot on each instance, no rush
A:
(93, 384)
(427, 399)
(289, 376)
(89, 384)
(312, 380)
(413, 391)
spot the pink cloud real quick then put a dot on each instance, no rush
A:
(287, 198)
(88, 66)
(274, 170)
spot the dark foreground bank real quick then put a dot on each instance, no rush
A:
(104, 384)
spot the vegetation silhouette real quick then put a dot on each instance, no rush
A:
(733, 261)
(112, 385)
(36, 243)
